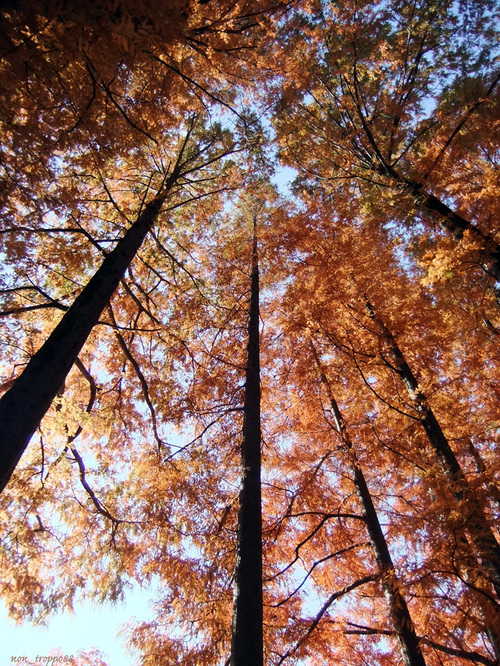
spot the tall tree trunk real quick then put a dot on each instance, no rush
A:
(475, 523)
(400, 614)
(475, 520)
(492, 488)
(247, 632)
(24, 405)
(489, 255)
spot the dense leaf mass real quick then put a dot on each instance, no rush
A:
(176, 124)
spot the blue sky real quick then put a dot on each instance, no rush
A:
(91, 626)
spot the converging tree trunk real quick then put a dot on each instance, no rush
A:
(475, 523)
(400, 614)
(493, 490)
(488, 256)
(24, 405)
(247, 632)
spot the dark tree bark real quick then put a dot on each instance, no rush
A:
(247, 632)
(489, 255)
(491, 487)
(400, 614)
(24, 405)
(475, 524)
(475, 520)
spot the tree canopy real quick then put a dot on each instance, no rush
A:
(279, 403)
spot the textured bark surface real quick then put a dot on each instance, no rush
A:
(400, 614)
(488, 257)
(247, 636)
(24, 405)
(476, 525)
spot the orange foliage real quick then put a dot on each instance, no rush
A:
(133, 475)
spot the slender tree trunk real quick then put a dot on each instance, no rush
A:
(24, 405)
(492, 488)
(400, 614)
(247, 632)
(489, 255)
(475, 523)
(449, 220)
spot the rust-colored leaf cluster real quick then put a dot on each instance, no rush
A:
(169, 307)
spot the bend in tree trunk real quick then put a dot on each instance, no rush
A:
(247, 628)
